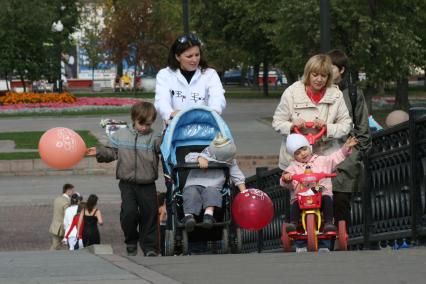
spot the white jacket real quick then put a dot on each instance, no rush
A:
(69, 215)
(172, 91)
(296, 104)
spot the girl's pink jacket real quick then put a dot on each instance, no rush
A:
(318, 164)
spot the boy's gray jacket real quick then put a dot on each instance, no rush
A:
(136, 155)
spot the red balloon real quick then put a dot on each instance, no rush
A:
(61, 148)
(252, 209)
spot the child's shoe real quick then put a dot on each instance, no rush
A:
(208, 221)
(189, 222)
(329, 227)
(290, 227)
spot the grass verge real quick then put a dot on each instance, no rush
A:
(29, 140)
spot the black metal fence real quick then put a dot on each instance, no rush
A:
(392, 205)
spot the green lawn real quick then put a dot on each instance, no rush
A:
(29, 140)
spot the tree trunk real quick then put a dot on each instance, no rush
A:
(93, 78)
(256, 69)
(7, 82)
(23, 82)
(136, 70)
(120, 68)
(266, 77)
(381, 88)
(401, 96)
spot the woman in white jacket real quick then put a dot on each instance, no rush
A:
(187, 80)
(313, 98)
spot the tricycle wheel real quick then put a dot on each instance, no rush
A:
(285, 239)
(342, 236)
(312, 232)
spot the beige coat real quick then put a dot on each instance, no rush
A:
(332, 109)
(59, 205)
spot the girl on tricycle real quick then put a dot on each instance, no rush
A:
(310, 186)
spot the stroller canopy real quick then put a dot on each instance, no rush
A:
(193, 126)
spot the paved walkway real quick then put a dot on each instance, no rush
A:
(25, 212)
(375, 267)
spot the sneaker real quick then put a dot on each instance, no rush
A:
(151, 253)
(290, 227)
(300, 250)
(208, 221)
(323, 250)
(132, 250)
(189, 222)
(329, 227)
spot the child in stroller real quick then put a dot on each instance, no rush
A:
(190, 135)
(202, 187)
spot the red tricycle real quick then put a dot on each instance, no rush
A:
(310, 230)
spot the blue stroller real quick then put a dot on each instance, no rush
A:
(191, 130)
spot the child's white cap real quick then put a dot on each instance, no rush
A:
(295, 142)
(222, 148)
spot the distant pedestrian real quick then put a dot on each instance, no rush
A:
(136, 150)
(60, 204)
(74, 234)
(70, 212)
(91, 218)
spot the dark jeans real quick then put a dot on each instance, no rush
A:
(139, 215)
(342, 207)
(326, 208)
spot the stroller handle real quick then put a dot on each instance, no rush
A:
(212, 165)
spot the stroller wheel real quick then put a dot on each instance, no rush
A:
(236, 240)
(225, 241)
(169, 243)
(185, 247)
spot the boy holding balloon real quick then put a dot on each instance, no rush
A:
(136, 150)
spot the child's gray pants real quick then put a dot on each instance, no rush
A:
(196, 197)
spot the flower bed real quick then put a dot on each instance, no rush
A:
(80, 104)
(36, 98)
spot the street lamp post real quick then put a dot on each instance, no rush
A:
(58, 27)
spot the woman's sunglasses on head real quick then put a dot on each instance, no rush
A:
(191, 38)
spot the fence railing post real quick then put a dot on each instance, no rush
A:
(260, 173)
(416, 205)
(366, 196)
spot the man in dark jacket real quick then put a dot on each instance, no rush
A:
(350, 172)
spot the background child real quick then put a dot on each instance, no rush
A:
(136, 150)
(74, 236)
(202, 187)
(70, 213)
(299, 148)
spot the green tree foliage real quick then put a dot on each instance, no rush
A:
(143, 30)
(237, 31)
(26, 37)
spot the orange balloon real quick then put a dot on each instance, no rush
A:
(61, 148)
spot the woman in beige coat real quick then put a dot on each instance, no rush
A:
(313, 98)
